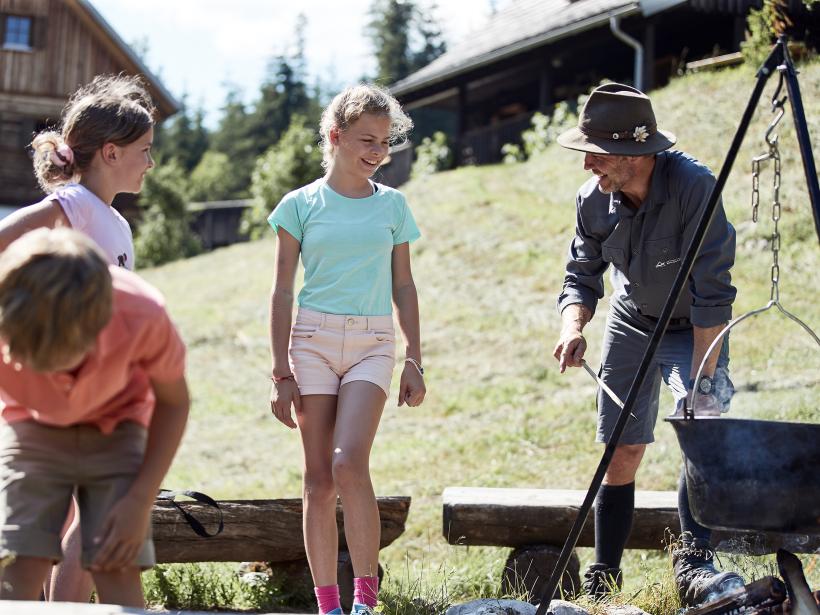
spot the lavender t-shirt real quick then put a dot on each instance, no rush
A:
(89, 214)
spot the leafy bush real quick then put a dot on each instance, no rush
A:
(213, 586)
(546, 128)
(215, 178)
(764, 25)
(512, 153)
(760, 34)
(164, 233)
(292, 162)
(432, 155)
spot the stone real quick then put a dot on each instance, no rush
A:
(492, 606)
(624, 609)
(562, 607)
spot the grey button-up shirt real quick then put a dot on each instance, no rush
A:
(645, 246)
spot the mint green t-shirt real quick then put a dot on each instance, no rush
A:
(346, 246)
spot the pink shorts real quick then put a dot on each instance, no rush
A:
(329, 350)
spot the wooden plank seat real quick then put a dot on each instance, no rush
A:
(536, 522)
(255, 530)
(267, 531)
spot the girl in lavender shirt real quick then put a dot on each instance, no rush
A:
(102, 148)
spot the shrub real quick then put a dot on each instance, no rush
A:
(164, 233)
(433, 154)
(295, 160)
(512, 153)
(216, 179)
(544, 130)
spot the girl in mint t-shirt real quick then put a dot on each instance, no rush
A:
(334, 364)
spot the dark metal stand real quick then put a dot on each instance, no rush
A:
(779, 59)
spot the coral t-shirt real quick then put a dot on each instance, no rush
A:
(113, 384)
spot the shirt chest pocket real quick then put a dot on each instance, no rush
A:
(613, 255)
(662, 257)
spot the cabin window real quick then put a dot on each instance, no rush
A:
(17, 33)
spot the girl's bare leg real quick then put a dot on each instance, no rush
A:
(359, 410)
(316, 423)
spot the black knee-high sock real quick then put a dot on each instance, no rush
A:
(689, 528)
(614, 506)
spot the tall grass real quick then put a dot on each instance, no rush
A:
(498, 413)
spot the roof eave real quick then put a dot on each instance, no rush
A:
(167, 104)
(521, 46)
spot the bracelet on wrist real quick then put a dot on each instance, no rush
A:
(281, 378)
(416, 364)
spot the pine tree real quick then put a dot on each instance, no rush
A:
(389, 29)
(405, 37)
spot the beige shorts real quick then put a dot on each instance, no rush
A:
(329, 350)
(40, 467)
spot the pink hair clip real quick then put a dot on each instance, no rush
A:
(62, 156)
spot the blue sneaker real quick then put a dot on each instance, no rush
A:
(335, 612)
(361, 609)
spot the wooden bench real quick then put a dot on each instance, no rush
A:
(260, 530)
(536, 522)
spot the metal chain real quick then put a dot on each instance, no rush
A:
(772, 139)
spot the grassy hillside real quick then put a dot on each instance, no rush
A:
(488, 269)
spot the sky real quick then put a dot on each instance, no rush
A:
(199, 47)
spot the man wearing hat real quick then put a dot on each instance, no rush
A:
(638, 213)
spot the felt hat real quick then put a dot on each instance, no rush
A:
(617, 119)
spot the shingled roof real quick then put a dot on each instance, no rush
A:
(522, 25)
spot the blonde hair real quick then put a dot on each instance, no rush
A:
(55, 297)
(349, 105)
(111, 109)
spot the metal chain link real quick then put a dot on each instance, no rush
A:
(772, 139)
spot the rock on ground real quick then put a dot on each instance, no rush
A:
(491, 606)
(562, 607)
(626, 609)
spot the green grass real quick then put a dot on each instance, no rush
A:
(498, 413)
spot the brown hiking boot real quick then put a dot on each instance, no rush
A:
(601, 581)
(697, 578)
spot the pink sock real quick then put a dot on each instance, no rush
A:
(366, 590)
(328, 598)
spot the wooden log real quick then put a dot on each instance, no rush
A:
(529, 568)
(519, 517)
(255, 530)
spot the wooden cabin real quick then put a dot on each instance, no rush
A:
(48, 48)
(534, 53)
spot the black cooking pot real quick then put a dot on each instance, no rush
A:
(752, 475)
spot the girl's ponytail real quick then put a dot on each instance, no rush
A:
(53, 160)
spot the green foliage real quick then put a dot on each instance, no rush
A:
(765, 25)
(760, 34)
(182, 138)
(215, 178)
(211, 586)
(512, 153)
(545, 129)
(432, 155)
(245, 132)
(404, 37)
(283, 94)
(294, 161)
(543, 132)
(164, 234)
